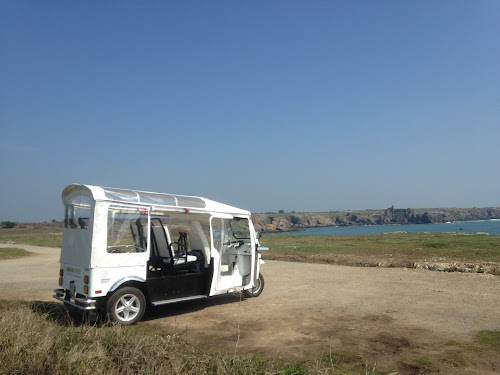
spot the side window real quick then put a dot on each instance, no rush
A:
(77, 212)
(127, 231)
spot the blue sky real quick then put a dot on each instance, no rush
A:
(265, 105)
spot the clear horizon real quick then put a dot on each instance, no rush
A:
(267, 106)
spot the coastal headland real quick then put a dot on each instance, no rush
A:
(291, 221)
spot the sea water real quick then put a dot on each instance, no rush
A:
(477, 226)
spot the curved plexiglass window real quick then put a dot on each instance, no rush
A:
(121, 195)
(191, 202)
(133, 196)
(77, 212)
(157, 198)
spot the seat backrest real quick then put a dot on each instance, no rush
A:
(167, 233)
(198, 240)
(138, 233)
(160, 239)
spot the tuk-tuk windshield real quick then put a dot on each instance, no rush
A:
(240, 228)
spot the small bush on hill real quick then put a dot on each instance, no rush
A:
(8, 224)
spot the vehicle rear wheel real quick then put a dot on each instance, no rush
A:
(126, 306)
(257, 289)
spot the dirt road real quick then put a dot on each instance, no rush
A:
(393, 316)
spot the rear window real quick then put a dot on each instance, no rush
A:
(77, 212)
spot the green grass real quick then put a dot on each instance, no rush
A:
(409, 246)
(12, 252)
(453, 343)
(486, 343)
(424, 361)
(38, 234)
(456, 359)
(488, 340)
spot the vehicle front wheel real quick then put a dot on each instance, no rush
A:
(257, 289)
(126, 306)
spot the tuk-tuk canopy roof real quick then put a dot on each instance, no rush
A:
(150, 199)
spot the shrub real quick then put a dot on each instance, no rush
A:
(8, 224)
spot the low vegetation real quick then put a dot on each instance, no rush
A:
(8, 224)
(40, 338)
(11, 252)
(38, 234)
(391, 249)
(486, 345)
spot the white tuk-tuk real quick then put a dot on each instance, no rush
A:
(125, 249)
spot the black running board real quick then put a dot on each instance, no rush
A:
(174, 300)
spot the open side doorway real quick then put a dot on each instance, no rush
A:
(231, 247)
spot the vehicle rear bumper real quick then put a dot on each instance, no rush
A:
(80, 303)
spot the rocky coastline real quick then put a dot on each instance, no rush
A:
(287, 222)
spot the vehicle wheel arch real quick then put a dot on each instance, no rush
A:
(133, 281)
(141, 285)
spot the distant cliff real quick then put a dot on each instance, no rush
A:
(285, 222)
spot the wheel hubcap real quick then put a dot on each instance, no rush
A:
(127, 307)
(256, 288)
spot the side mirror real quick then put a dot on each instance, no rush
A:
(259, 235)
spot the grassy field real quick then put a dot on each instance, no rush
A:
(457, 252)
(38, 234)
(415, 246)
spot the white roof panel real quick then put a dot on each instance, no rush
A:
(151, 199)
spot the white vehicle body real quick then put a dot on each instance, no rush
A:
(169, 248)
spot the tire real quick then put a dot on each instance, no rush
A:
(257, 289)
(126, 306)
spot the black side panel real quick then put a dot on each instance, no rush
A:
(164, 287)
(177, 286)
